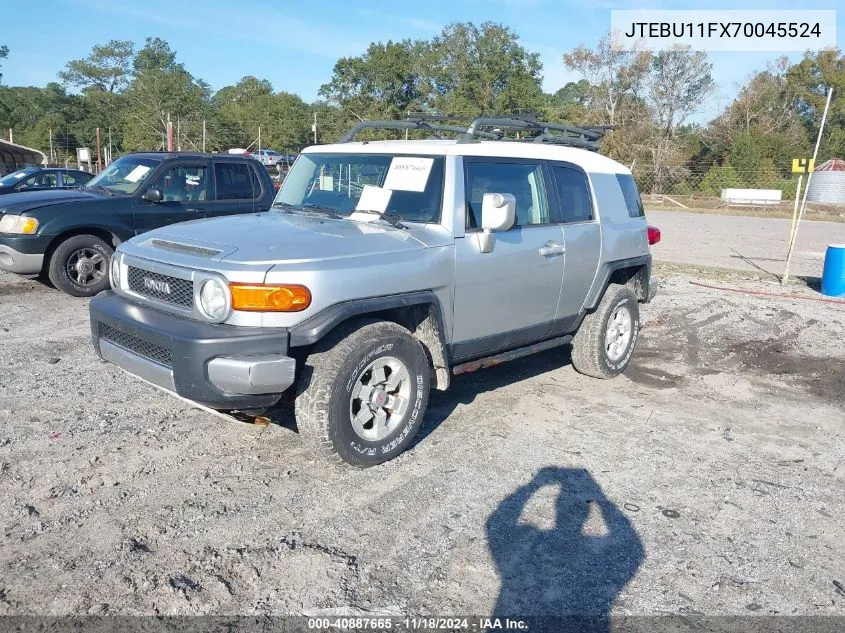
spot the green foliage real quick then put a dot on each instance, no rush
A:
(718, 178)
(106, 69)
(4, 53)
(745, 154)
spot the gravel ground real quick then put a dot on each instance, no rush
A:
(745, 243)
(707, 480)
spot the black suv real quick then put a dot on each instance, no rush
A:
(70, 235)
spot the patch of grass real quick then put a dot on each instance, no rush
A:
(812, 215)
(732, 275)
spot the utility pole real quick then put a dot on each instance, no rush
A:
(259, 140)
(794, 237)
(99, 153)
(51, 145)
(11, 137)
(314, 128)
(179, 134)
(169, 134)
(109, 157)
(203, 135)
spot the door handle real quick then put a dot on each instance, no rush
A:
(194, 210)
(550, 249)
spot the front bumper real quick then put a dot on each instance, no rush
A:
(219, 366)
(13, 261)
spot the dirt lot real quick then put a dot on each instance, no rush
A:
(707, 480)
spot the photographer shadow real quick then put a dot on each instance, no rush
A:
(566, 577)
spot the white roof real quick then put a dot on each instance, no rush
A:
(590, 161)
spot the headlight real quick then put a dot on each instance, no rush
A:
(270, 298)
(115, 270)
(214, 299)
(19, 224)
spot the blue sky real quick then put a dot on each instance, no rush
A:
(295, 43)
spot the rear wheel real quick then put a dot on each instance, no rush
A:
(604, 343)
(79, 266)
(363, 392)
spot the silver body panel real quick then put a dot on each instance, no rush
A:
(21, 263)
(533, 276)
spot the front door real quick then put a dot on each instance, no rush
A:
(184, 190)
(582, 234)
(509, 296)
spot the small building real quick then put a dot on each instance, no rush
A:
(14, 157)
(827, 186)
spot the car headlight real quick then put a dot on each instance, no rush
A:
(214, 299)
(115, 271)
(19, 224)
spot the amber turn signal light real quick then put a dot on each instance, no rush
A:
(270, 298)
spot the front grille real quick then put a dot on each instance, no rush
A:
(131, 343)
(164, 288)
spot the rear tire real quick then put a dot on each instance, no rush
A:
(363, 392)
(79, 266)
(604, 343)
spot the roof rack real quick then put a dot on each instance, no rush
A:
(410, 124)
(541, 132)
(584, 137)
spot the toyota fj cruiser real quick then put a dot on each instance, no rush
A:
(384, 268)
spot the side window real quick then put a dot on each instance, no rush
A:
(41, 180)
(573, 193)
(76, 178)
(183, 183)
(523, 180)
(236, 181)
(631, 195)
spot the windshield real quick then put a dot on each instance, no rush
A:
(125, 175)
(335, 181)
(15, 176)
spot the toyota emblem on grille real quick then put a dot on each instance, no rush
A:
(157, 286)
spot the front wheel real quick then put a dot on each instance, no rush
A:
(79, 266)
(363, 392)
(604, 343)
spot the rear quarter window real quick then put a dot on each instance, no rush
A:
(631, 195)
(236, 181)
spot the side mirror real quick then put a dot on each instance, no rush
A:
(152, 195)
(498, 213)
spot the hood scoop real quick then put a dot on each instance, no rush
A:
(188, 249)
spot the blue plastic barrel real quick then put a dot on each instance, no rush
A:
(833, 276)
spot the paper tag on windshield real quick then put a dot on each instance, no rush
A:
(373, 199)
(136, 174)
(408, 173)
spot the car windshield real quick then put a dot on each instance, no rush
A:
(125, 175)
(335, 182)
(15, 176)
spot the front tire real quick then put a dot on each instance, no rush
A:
(363, 392)
(79, 266)
(604, 343)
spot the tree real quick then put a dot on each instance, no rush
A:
(382, 83)
(612, 74)
(481, 70)
(811, 78)
(108, 68)
(161, 90)
(678, 84)
(4, 53)
(718, 178)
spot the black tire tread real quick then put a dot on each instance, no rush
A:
(55, 264)
(588, 343)
(312, 406)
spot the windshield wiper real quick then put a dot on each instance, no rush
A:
(334, 215)
(392, 221)
(106, 189)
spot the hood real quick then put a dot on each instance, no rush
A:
(271, 237)
(16, 203)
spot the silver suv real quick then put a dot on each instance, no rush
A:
(384, 268)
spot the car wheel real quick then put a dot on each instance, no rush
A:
(79, 266)
(604, 343)
(363, 391)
